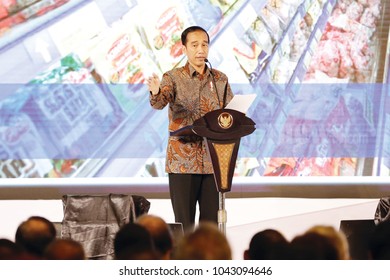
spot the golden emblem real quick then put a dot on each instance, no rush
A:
(225, 120)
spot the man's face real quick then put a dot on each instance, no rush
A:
(196, 49)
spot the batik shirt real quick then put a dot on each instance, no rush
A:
(190, 96)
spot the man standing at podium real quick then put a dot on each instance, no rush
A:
(191, 91)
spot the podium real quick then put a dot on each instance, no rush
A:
(222, 130)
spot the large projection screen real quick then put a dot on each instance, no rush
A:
(76, 119)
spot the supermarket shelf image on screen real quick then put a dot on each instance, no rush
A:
(74, 100)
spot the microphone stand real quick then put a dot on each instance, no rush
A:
(222, 214)
(214, 83)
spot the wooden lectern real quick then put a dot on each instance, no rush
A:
(222, 130)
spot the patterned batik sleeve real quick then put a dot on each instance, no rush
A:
(165, 95)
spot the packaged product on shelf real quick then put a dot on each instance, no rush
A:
(336, 126)
(307, 24)
(295, 3)
(328, 135)
(249, 55)
(23, 168)
(259, 33)
(343, 23)
(360, 129)
(318, 166)
(346, 49)
(344, 4)
(226, 6)
(41, 7)
(325, 59)
(63, 168)
(163, 28)
(27, 10)
(315, 10)
(22, 150)
(301, 37)
(21, 4)
(277, 166)
(124, 62)
(272, 21)
(354, 11)
(7, 8)
(298, 44)
(69, 110)
(347, 132)
(386, 138)
(205, 14)
(284, 10)
(325, 166)
(262, 114)
(371, 14)
(117, 57)
(253, 49)
(303, 134)
(283, 70)
(292, 46)
(245, 166)
(361, 10)
(7, 23)
(314, 166)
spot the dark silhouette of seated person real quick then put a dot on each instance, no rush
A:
(312, 246)
(64, 249)
(34, 235)
(9, 250)
(379, 241)
(335, 237)
(134, 242)
(161, 234)
(268, 244)
(206, 242)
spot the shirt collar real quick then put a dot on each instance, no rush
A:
(192, 72)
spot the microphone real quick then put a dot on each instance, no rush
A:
(209, 64)
(214, 83)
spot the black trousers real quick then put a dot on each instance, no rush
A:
(186, 190)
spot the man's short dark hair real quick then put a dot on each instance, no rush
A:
(192, 29)
(35, 234)
(9, 250)
(133, 241)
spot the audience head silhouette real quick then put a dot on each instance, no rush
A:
(206, 242)
(34, 235)
(134, 242)
(379, 243)
(312, 246)
(336, 238)
(64, 249)
(160, 232)
(268, 244)
(10, 250)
